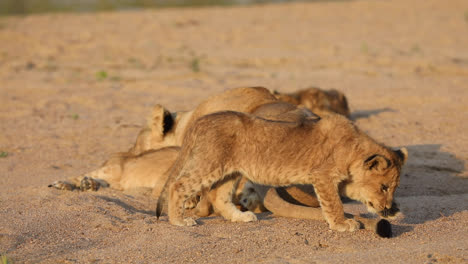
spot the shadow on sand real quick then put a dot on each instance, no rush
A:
(131, 209)
(431, 184)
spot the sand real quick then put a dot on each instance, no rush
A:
(75, 88)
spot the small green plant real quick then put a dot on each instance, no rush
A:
(101, 75)
(75, 116)
(3, 154)
(5, 259)
(195, 64)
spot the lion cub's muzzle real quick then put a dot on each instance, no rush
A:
(390, 212)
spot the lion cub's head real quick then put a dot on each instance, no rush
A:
(375, 179)
(250, 199)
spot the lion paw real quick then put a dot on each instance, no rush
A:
(88, 183)
(244, 217)
(61, 185)
(350, 225)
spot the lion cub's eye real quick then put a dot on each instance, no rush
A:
(384, 188)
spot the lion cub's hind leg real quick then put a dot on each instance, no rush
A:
(179, 192)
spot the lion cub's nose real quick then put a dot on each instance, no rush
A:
(390, 212)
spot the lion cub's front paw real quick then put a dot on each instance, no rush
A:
(61, 185)
(347, 225)
(185, 222)
(244, 217)
(88, 183)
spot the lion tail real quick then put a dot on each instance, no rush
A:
(278, 206)
(173, 173)
(160, 203)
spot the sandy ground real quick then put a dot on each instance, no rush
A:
(75, 88)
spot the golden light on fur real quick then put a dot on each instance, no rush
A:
(328, 153)
(137, 167)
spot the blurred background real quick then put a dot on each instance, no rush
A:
(18, 7)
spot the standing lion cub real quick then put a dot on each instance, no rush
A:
(330, 153)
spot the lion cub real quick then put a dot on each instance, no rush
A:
(330, 153)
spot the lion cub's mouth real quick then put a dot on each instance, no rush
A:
(390, 212)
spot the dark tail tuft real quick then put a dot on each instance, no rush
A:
(159, 206)
(163, 196)
(384, 229)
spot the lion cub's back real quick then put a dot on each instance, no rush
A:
(216, 127)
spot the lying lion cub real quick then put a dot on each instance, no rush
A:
(330, 153)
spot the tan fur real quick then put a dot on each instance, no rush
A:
(165, 129)
(154, 136)
(159, 134)
(279, 111)
(124, 171)
(330, 154)
(318, 101)
(168, 129)
(133, 169)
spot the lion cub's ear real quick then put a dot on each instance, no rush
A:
(377, 162)
(160, 122)
(402, 154)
